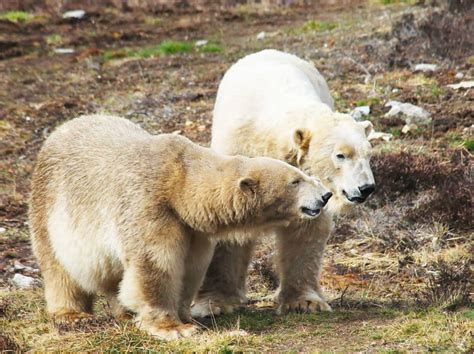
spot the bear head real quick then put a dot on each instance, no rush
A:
(283, 192)
(336, 150)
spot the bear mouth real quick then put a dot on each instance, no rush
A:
(312, 213)
(356, 199)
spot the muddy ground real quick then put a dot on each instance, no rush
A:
(407, 249)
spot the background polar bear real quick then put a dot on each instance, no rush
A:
(118, 211)
(275, 104)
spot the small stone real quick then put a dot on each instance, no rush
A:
(19, 266)
(261, 36)
(459, 75)
(23, 282)
(201, 42)
(426, 67)
(359, 112)
(64, 50)
(395, 90)
(2, 230)
(462, 85)
(410, 113)
(76, 14)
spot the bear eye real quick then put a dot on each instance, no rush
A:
(340, 156)
(295, 182)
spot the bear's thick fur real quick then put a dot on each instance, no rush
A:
(134, 216)
(275, 104)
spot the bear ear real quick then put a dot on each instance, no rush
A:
(368, 127)
(248, 185)
(301, 140)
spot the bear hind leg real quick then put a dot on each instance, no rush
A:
(66, 300)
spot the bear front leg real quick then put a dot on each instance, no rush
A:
(300, 253)
(224, 287)
(152, 285)
(197, 261)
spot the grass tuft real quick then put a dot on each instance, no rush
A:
(211, 48)
(173, 47)
(318, 26)
(16, 16)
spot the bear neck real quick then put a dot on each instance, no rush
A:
(210, 199)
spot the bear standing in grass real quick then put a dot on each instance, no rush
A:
(275, 104)
(118, 211)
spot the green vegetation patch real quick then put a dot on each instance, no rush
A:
(318, 26)
(469, 144)
(54, 39)
(164, 48)
(16, 16)
(173, 47)
(211, 48)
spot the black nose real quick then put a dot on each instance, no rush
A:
(326, 197)
(367, 189)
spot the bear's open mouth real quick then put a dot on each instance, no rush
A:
(310, 212)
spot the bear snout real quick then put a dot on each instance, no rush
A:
(326, 198)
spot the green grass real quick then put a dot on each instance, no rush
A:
(436, 90)
(164, 48)
(469, 144)
(318, 26)
(211, 48)
(54, 39)
(173, 47)
(17, 16)
(368, 102)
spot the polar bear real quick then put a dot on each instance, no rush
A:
(275, 104)
(134, 216)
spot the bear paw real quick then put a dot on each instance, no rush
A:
(310, 302)
(71, 317)
(207, 308)
(167, 332)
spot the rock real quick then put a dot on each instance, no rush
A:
(407, 127)
(19, 266)
(425, 67)
(359, 112)
(23, 282)
(459, 75)
(462, 85)
(64, 50)
(2, 230)
(75, 14)
(379, 136)
(395, 90)
(409, 112)
(201, 42)
(261, 36)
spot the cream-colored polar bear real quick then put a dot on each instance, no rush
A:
(275, 104)
(118, 211)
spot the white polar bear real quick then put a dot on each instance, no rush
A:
(275, 104)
